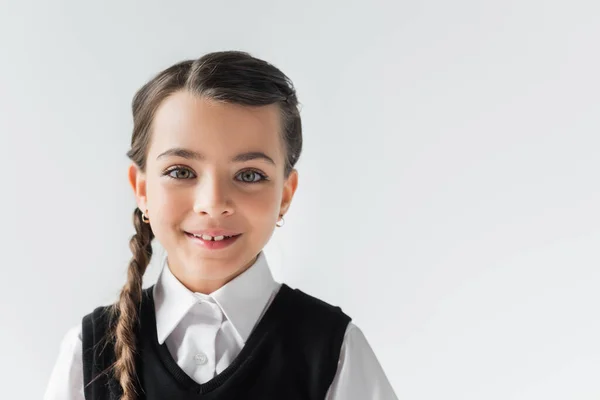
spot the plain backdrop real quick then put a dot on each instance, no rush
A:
(448, 196)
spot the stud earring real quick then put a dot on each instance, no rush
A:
(145, 218)
(282, 222)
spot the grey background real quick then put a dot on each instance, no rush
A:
(448, 196)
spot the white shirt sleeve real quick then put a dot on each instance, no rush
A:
(66, 379)
(359, 375)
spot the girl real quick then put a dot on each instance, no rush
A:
(214, 145)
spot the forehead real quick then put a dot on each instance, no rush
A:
(215, 128)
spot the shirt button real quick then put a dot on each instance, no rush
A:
(200, 358)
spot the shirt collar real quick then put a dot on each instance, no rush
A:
(242, 299)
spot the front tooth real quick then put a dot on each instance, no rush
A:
(207, 237)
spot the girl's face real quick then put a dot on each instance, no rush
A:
(213, 190)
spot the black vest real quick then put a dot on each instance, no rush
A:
(291, 354)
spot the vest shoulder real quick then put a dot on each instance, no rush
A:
(100, 316)
(96, 321)
(317, 307)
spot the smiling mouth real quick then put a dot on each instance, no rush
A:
(209, 238)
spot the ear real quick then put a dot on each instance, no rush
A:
(137, 180)
(289, 188)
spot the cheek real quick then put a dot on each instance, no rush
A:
(259, 209)
(172, 205)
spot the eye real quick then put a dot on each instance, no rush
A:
(249, 176)
(178, 169)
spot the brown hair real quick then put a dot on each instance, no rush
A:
(227, 76)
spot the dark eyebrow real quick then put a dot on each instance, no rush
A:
(193, 155)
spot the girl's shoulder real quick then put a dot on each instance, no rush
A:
(313, 305)
(101, 317)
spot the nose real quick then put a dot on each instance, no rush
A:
(212, 197)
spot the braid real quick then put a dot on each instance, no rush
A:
(126, 310)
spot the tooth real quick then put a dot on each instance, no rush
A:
(208, 237)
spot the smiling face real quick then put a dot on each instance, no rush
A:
(230, 176)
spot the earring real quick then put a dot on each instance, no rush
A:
(145, 218)
(282, 222)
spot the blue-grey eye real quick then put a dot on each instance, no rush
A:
(249, 176)
(186, 174)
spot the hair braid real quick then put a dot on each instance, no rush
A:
(126, 310)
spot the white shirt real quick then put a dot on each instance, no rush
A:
(204, 334)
